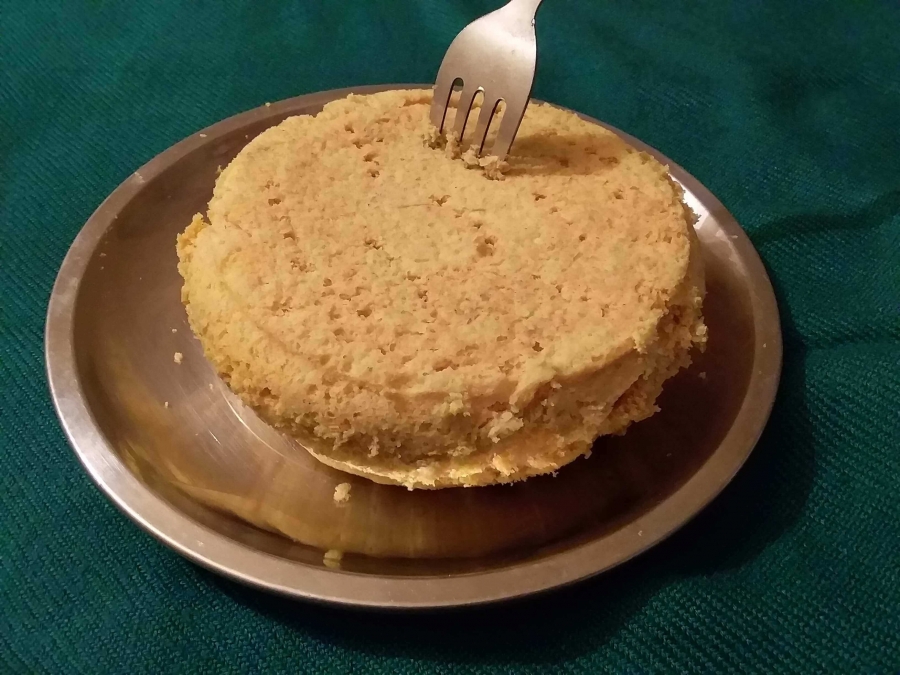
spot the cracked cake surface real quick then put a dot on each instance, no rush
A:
(364, 287)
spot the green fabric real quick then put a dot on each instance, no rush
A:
(788, 111)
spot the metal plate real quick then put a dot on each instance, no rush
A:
(181, 456)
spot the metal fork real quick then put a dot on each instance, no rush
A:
(496, 55)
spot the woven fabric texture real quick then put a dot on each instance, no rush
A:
(788, 111)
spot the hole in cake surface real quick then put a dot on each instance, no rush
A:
(484, 245)
(442, 364)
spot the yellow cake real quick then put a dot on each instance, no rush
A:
(358, 282)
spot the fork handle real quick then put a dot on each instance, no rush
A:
(522, 12)
(530, 5)
(525, 5)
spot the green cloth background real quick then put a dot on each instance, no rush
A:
(789, 111)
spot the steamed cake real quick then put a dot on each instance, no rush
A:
(359, 280)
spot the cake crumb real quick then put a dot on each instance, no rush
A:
(166, 404)
(433, 138)
(470, 157)
(332, 558)
(211, 386)
(493, 167)
(452, 148)
(373, 447)
(174, 330)
(702, 375)
(342, 493)
(178, 357)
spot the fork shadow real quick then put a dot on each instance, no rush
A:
(547, 153)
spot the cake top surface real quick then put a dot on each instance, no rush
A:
(368, 256)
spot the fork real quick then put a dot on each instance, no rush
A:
(495, 55)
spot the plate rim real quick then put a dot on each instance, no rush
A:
(230, 558)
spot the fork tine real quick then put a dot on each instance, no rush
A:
(443, 89)
(512, 118)
(488, 110)
(463, 108)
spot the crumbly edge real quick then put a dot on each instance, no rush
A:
(542, 444)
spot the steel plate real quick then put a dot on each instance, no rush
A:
(171, 446)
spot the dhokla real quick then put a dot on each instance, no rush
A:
(432, 319)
